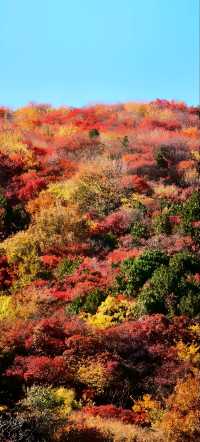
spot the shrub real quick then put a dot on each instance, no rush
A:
(17, 306)
(6, 275)
(184, 262)
(57, 226)
(41, 398)
(16, 427)
(47, 337)
(88, 304)
(94, 133)
(153, 299)
(162, 224)
(28, 117)
(139, 230)
(39, 369)
(161, 159)
(22, 252)
(164, 154)
(181, 420)
(6, 307)
(45, 399)
(110, 240)
(67, 267)
(125, 142)
(136, 204)
(112, 412)
(191, 212)
(169, 291)
(149, 301)
(190, 303)
(149, 407)
(11, 142)
(97, 188)
(164, 280)
(93, 300)
(111, 312)
(175, 208)
(75, 306)
(135, 272)
(188, 352)
(66, 398)
(13, 218)
(93, 374)
(17, 218)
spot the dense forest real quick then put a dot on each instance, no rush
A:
(100, 273)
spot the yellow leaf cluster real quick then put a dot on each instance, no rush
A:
(137, 198)
(195, 329)
(112, 311)
(63, 190)
(188, 352)
(181, 420)
(93, 375)
(67, 399)
(27, 117)
(11, 142)
(66, 131)
(196, 155)
(6, 307)
(145, 404)
(139, 108)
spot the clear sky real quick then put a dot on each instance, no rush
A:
(77, 52)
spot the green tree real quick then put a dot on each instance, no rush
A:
(135, 272)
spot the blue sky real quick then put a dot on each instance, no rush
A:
(78, 52)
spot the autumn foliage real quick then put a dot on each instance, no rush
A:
(100, 273)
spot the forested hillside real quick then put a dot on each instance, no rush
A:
(100, 273)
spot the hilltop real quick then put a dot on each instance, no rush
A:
(100, 273)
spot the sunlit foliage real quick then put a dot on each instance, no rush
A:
(100, 273)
